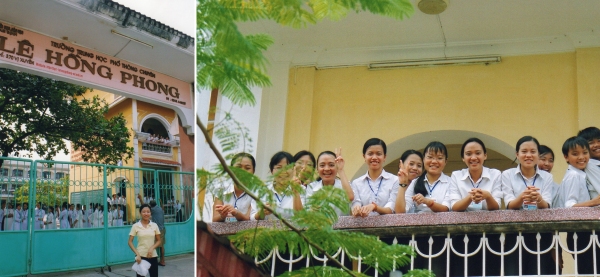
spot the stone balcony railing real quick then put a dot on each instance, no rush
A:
(457, 226)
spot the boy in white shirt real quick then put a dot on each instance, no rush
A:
(576, 193)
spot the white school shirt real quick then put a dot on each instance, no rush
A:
(39, 219)
(437, 191)
(573, 187)
(25, 216)
(317, 185)
(51, 224)
(383, 191)
(242, 203)
(64, 220)
(462, 184)
(592, 171)
(17, 220)
(514, 183)
(284, 205)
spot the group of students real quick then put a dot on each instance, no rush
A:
(72, 216)
(421, 186)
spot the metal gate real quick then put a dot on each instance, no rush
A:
(96, 206)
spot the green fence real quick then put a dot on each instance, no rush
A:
(96, 206)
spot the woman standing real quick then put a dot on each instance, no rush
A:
(235, 205)
(148, 236)
(475, 188)
(427, 193)
(78, 224)
(375, 192)
(526, 187)
(64, 218)
(49, 222)
(9, 213)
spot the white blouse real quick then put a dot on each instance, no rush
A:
(462, 184)
(383, 191)
(437, 191)
(317, 185)
(514, 183)
(285, 205)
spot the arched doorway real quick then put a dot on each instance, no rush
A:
(500, 155)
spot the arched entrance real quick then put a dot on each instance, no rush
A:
(500, 155)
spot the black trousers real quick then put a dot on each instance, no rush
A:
(153, 271)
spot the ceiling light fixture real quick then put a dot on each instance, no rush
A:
(132, 39)
(432, 6)
(434, 62)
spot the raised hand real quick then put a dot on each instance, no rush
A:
(339, 160)
(402, 173)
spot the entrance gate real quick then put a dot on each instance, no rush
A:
(42, 249)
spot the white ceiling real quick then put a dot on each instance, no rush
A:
(68, 19)
(471, 27)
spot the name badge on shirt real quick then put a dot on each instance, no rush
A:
(530, 206)
(475, 206)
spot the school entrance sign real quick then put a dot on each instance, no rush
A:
(25, 50)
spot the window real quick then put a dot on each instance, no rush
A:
(46, 174)
(59, 175)
(17, 172)
(3, 172)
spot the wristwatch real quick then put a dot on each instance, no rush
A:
(404, 185)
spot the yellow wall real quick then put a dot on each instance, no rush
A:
(547, 96)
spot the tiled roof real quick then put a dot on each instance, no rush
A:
(159, 161)
(130, 18)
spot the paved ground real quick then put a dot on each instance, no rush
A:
(180, 265)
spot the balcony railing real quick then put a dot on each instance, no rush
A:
(156, 147)
(498, 240)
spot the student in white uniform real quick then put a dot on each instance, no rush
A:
(78, 217)
(9, 219)
(527, 187)
(426, 193)
(475, 188)
(63, 217)
(110, 214)
(577, 192)
(25, 217)
(592, 170)
(39, 217)
(235, 205)
(304, 166)
(330, 165)
(49, 221)
(285, 201)
(2, 211)
(99, 222)
(18, 218)
(375, 192)
(412, 161)
(118, 216)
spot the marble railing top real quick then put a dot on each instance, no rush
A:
(502, 221)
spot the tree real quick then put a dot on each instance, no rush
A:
(48, 192)
(232, 63)
(38, 114)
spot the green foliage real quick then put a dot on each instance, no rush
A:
(39, 114)
(48, 192)
(233, 136)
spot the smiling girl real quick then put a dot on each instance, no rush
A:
(330, 165)
(375, 192)
(528, 187)
(475, 188)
